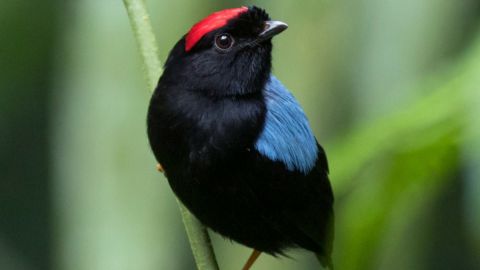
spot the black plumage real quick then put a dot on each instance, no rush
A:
(204, 120)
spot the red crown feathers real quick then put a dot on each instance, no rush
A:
(211, 22)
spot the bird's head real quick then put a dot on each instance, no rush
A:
(227, 53)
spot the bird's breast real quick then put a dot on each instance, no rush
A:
(199, 131)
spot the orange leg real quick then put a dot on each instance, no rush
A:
(160, 168)
(253, 257)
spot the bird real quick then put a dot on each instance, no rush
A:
(234, 143)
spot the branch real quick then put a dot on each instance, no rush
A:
(197, 233)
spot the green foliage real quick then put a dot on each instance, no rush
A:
(391, 89)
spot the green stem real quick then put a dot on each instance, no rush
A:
(197, 234)
(199, 241)
(142, 28)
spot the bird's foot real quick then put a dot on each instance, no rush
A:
(253, 257)
(160, 168)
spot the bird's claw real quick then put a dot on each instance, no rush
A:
(160, 168)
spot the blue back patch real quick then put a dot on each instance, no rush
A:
(286, 136)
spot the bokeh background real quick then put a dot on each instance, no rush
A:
(392, 89)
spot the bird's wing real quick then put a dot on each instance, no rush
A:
(303, 196)
(298, 206)
(286, 136)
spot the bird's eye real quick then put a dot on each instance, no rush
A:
(224, 41)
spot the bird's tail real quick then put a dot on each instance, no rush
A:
(325, 261)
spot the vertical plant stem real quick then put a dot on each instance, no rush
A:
(197, 234)
(142, 28)
(199, 241)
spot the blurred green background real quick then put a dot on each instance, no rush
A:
(392, 89)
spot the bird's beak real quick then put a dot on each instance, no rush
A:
(271, 29)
